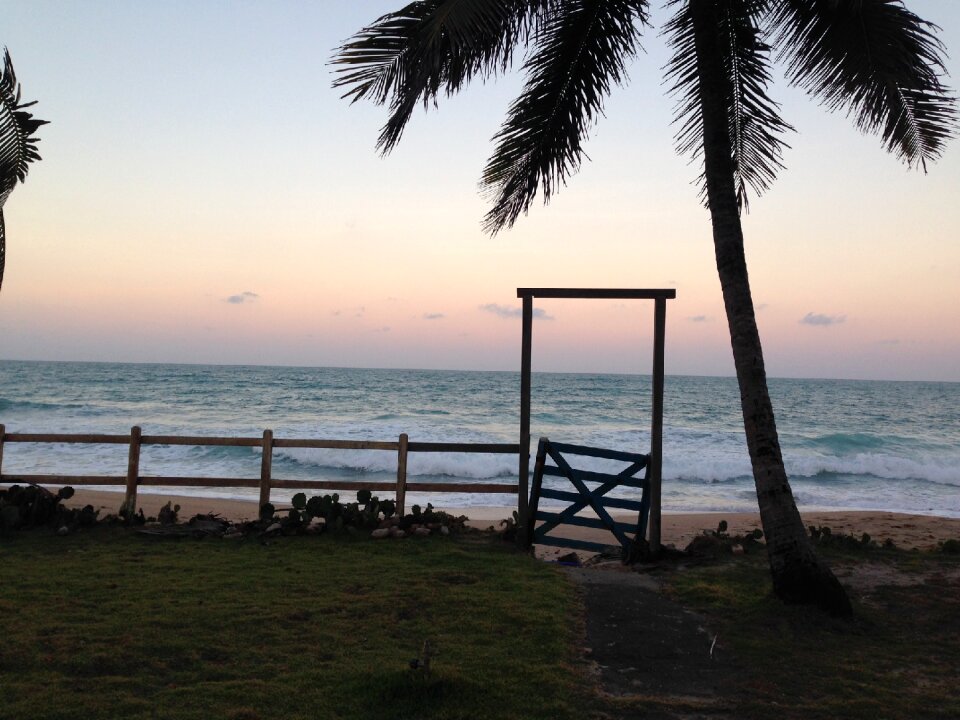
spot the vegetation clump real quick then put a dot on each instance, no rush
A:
(34, 506)
(326, 513)
(951, 547)
(823, 536)
(31, 506)
(510, 527)
(717, 543)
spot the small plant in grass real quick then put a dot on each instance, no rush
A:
(266, 512)
(510, 527)
(128, 516)
(951, 547)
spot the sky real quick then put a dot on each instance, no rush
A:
(206, 196)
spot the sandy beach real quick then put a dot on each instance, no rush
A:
(906, 530)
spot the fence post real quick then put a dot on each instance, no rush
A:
(266, 467)
(523, 478)
(656, 426)
(129, 508)
(3, 430)
(402, 475)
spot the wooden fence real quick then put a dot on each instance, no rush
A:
(266, 482)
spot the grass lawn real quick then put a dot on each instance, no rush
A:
(900, 658)
(110, 624)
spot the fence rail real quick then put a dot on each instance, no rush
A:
(266, 482)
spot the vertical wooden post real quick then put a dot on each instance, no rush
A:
(402, 475)
(3, 430)
(656, 428)
(266, 467)
(133, 474)
(525, 355)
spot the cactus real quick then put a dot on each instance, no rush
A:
(35, 506)
(167, 515)
(314, 507)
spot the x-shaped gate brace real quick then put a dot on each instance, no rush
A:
(584, 496)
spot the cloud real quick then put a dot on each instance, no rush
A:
(385, 328)
(433, 316)
(240, 298)
(762, 306)
(891, 341)
(505, 311)
(822, 320)
(698, 318)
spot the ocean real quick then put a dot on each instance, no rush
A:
(847, 444)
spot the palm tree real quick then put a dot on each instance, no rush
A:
(17, 146)
(873, 58)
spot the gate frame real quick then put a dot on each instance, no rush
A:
(660, 297)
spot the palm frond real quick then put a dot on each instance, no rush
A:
(428, 47)
(754, 123)
(18, 146)
(877, 60)
(580, 53)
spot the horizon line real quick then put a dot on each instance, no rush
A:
(472, 370)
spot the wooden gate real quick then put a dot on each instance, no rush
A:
(627, 534)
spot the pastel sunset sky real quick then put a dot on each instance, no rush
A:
(205, 196)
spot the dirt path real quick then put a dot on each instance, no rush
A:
(653, 658)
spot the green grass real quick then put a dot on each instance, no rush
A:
(900, 658)
(109, 624)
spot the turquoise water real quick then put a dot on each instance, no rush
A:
(847, 444)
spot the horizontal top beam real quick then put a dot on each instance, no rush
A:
(599, 293)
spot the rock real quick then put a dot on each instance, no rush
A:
(63, 530)
(232, 534)
(380, 533)
(276, 527)
(737, 549)
(422, 531)
(399, 534)
(444, 530)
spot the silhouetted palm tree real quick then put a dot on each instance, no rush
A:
(17, 147)
(872, 58)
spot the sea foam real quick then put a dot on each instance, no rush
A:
(846, 444)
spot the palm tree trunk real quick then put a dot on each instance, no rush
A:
(798, 575)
